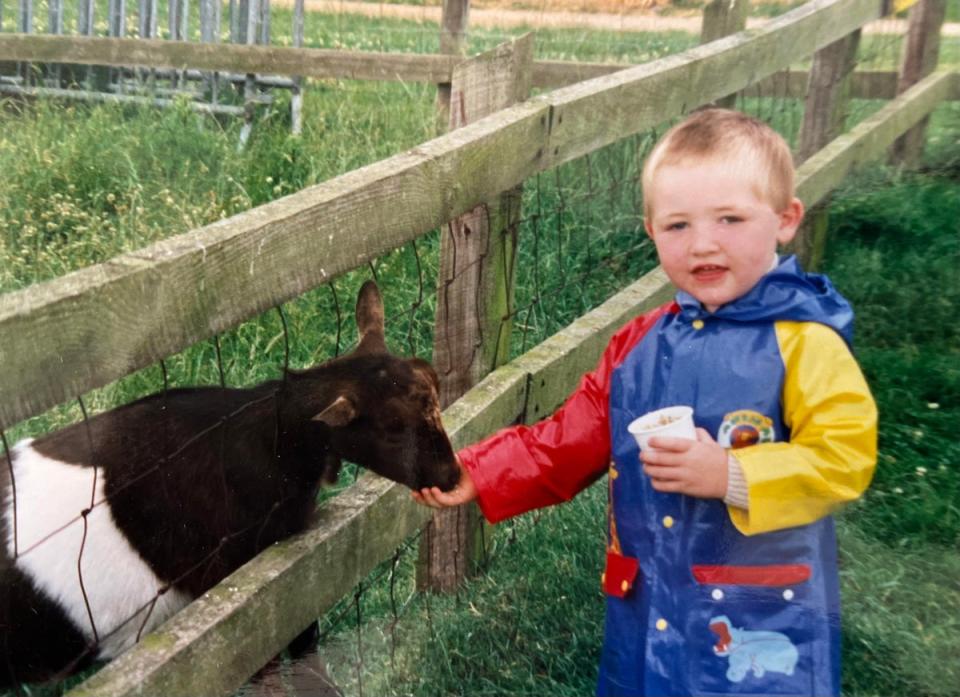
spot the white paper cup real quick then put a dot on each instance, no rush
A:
(673, 422)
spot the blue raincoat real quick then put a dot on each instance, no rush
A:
(706, 598)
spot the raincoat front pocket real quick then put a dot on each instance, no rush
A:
(751, 630)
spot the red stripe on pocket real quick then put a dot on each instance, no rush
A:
(771, 575)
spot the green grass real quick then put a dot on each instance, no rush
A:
(82, 184)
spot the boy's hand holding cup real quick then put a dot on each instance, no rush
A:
(692, 464)
(670, 422)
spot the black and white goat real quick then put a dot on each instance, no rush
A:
(188, 485)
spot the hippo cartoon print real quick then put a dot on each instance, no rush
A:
(756, 651)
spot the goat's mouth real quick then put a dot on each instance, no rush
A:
(445, 480)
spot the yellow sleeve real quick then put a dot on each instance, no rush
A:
(832, 451)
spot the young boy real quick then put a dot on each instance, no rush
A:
(721, 570)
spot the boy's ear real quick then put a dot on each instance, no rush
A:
(790, 219)
(648, 226)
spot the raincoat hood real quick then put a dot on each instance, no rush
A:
(785, 293)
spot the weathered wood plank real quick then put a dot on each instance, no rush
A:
(871, 137)
(639, 98)
(360, 65)
(785, 84)
(921, 53)
(103, 322)
(215, 644)
(555, 73)
(155, 53)
(474, 295)
(474, 286)
(723, 18)
(824, 115)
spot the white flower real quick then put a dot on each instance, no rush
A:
(921, 471)
(897, 490)
(932, 405)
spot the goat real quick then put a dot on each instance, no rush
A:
(189, 484)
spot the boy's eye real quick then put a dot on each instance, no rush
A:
(731, 219)
(676, 226)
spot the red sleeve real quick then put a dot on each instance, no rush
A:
(522, 468)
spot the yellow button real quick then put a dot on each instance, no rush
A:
(698, 324)
(624, 586)
(667, 521)
(661, 624)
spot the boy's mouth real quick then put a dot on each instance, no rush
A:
(708, 272)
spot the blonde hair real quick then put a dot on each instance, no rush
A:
(722, 133)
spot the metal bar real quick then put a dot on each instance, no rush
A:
(25, 18)
(87, 95)
(264, 22)
(85, 13)
(251, 20)
(296, 100)
(184, 17)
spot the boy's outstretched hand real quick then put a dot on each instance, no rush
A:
(463, 492)
(682, 466)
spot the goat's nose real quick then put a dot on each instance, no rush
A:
(451, 477)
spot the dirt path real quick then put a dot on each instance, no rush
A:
(536, 19)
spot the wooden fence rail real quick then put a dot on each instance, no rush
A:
(351, 65)
(104, 322)
(101, 323)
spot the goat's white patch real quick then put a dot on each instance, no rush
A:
(120, 586)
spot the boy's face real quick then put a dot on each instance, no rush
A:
(715, 235)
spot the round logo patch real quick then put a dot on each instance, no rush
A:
(745, 427)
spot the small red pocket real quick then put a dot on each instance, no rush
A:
(619, 576)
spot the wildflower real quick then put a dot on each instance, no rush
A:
(933, 405)
(921, 471)
(897, 490)
(269, 180)
(918, 433)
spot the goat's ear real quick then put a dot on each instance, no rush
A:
(426, 370)
(370, 319)
(340, 412)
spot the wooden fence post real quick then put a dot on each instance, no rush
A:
(453, 41)
(921, 53)
(824, 113)
(474, 294)
(722, 18)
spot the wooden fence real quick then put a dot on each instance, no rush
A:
(245, 22)
(101, 323)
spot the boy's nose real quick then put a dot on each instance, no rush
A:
(703, 240)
